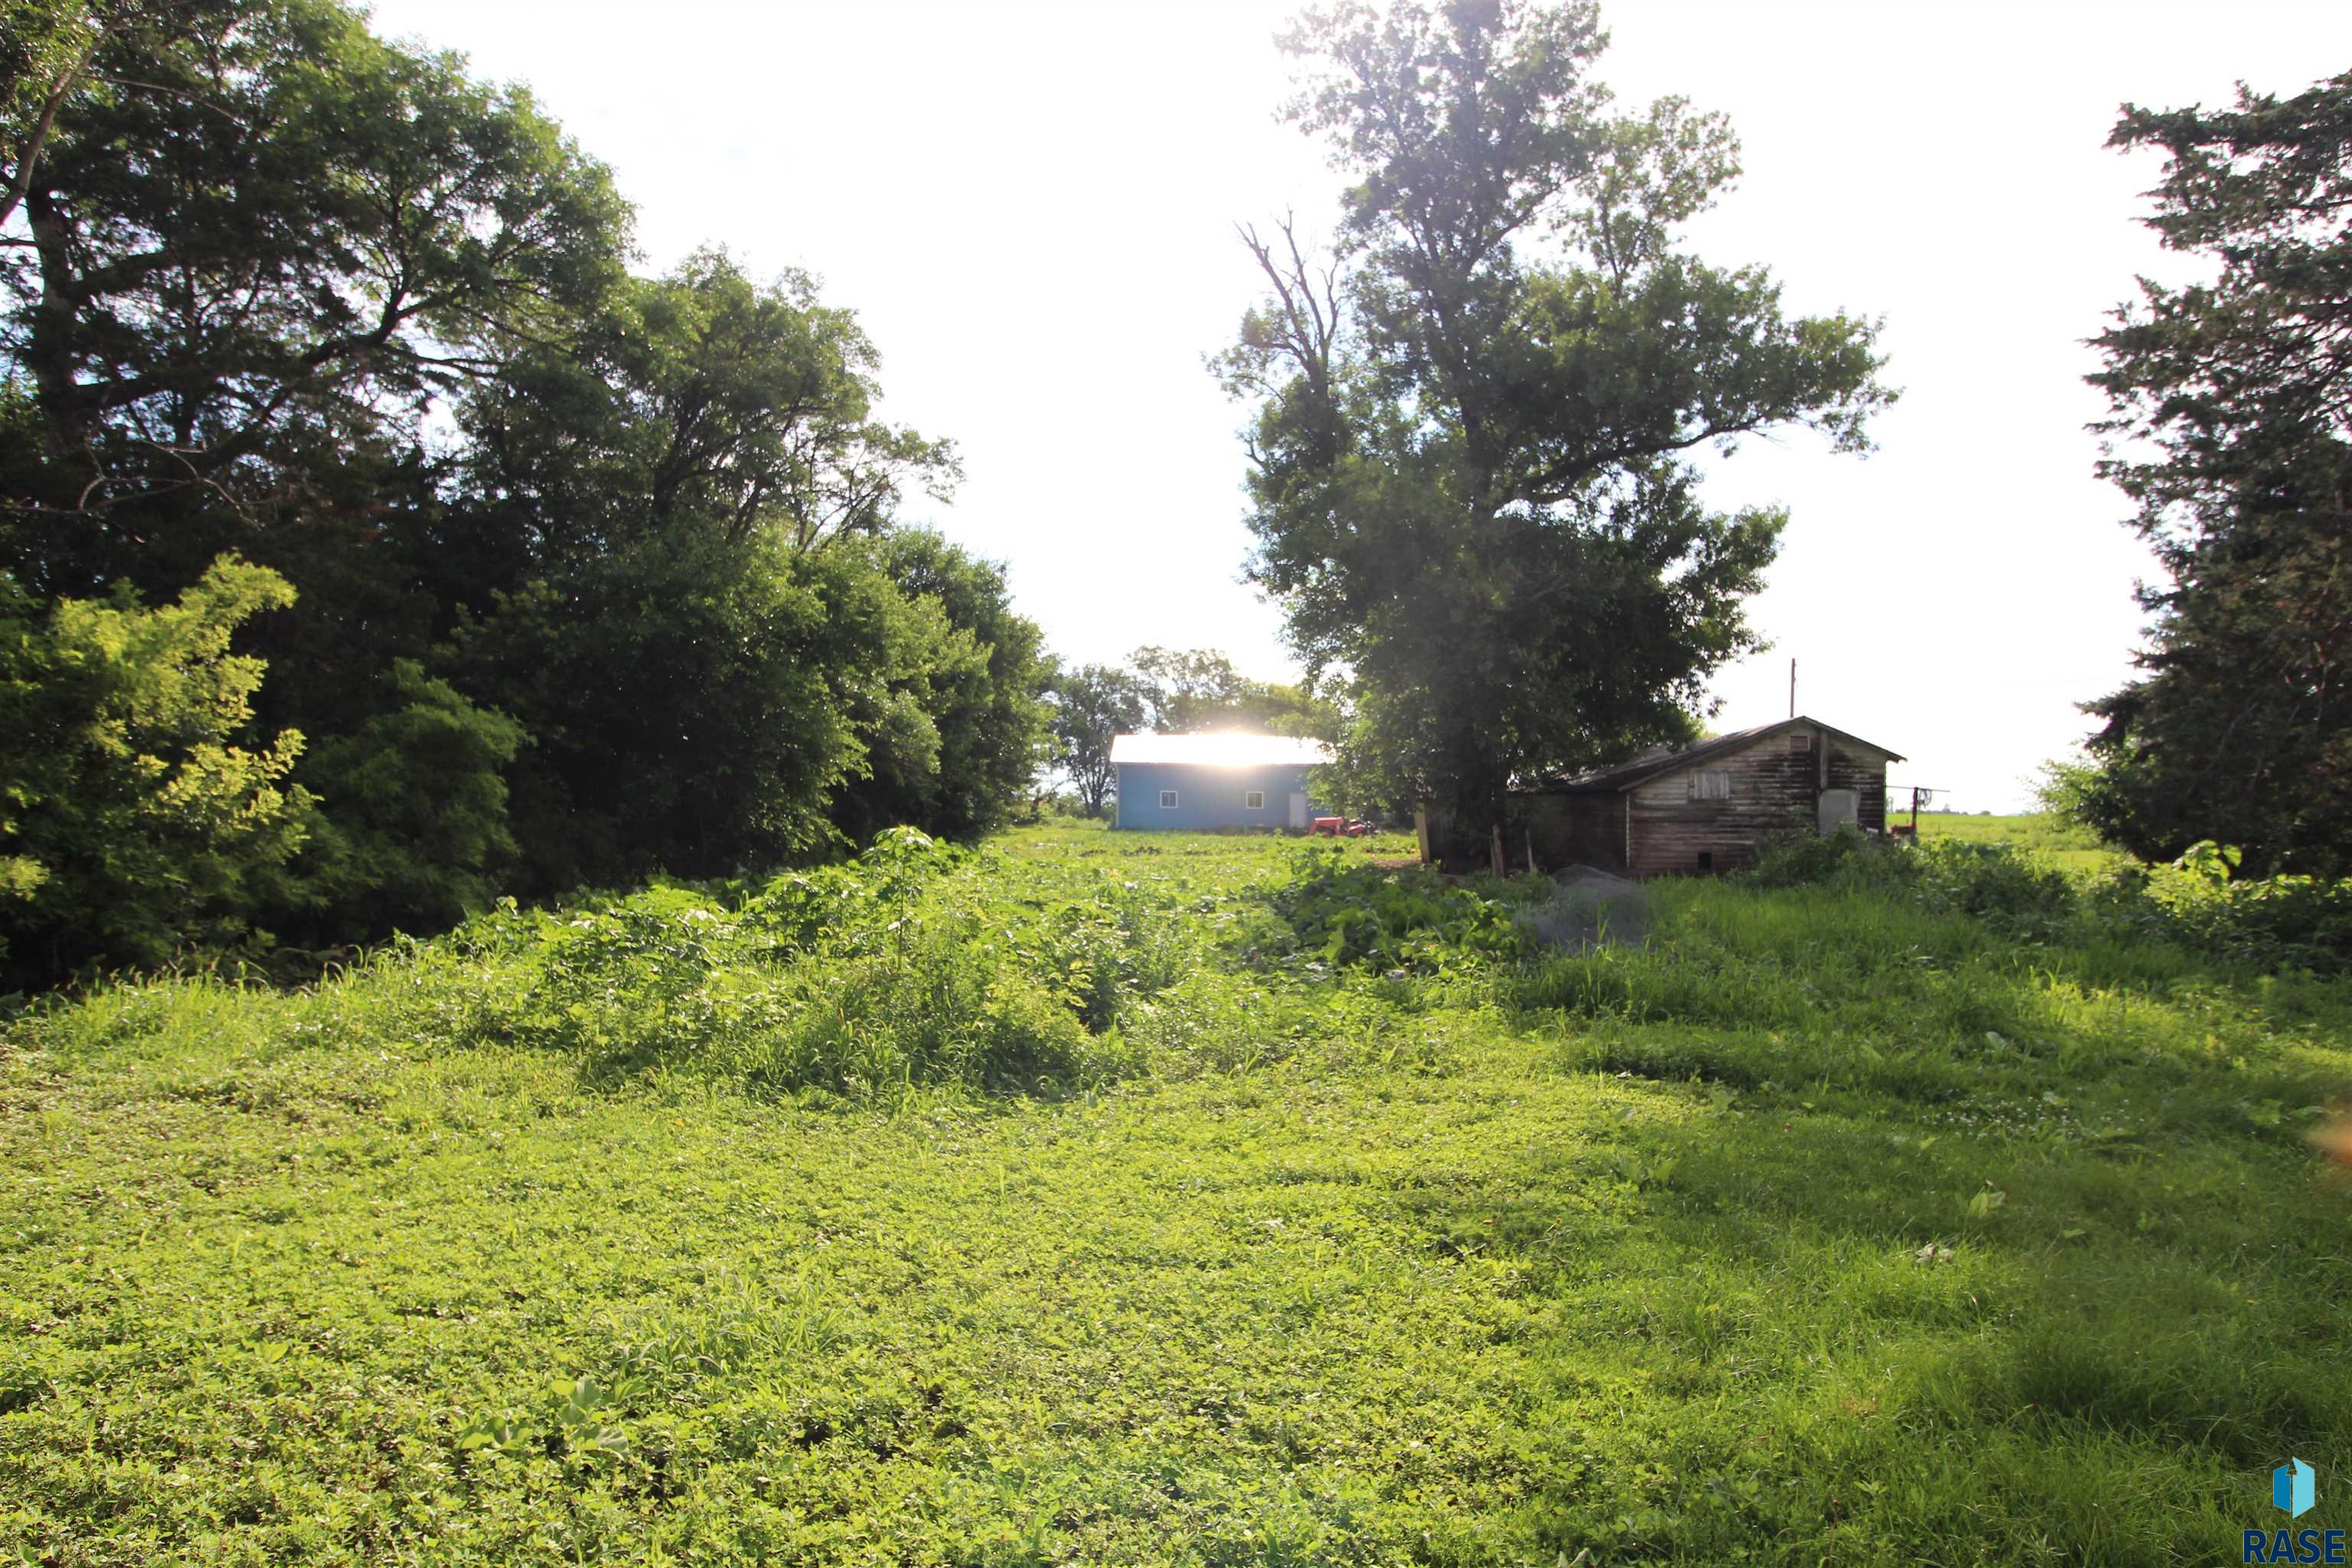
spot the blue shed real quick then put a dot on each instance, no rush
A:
(1222, 779)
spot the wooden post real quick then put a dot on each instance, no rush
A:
(1498, 849)
(1531, 854)
(1421, 829)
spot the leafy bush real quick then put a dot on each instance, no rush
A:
(1805, 859)
(2271, 922)
(1378, 918)
(135, 822)
(1991, 881)
(861, 978)
(1994, 881)
(655, 568)
(414, 810)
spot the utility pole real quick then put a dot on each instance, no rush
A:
(1792, 688)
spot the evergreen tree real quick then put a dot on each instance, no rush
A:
(2232, 433)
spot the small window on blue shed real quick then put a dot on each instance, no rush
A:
(1254, 801)
(1166, 800)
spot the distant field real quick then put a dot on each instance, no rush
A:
(1143, 1199)
(2061, 843)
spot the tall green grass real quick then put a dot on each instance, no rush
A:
(2064, 844)
(1116, 1198)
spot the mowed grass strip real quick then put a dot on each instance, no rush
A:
(1821, 1229)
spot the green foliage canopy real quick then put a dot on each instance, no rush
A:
(1469, 477)
(1192, 690)
(727, 654)
(131, 820)
(984, 686)
(1093, 705)
(413, 826)
(2232, 433)
(320, 233)
(576, 575)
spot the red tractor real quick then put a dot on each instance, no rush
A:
(1339, 828)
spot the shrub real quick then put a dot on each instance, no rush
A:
(2269, 922)
(1803, 859)
(136, 822)
(2197, 903)
(416, 810)
(859, 978)
(1379, 917)
(1992, 881)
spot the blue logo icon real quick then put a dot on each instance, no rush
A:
(2291, 1487)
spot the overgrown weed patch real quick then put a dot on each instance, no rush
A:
(1823, 1226)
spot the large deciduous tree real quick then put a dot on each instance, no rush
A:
(1191, 689)
(703, 398)
(568, 574)
(44, 46)
(2232, 433)
(256, 244)
(1470, 461)
(1093, 705)
(248, 247)
(986, 690)
(728, 653)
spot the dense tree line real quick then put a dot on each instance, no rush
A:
(2232, 433)
(373, 542)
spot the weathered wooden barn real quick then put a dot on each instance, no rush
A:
(1708, 807)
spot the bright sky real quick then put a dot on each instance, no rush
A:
(1030, 206)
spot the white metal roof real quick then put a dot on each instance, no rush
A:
(1219, 749)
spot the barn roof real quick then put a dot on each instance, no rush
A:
(1219, 749)
(1641, 769)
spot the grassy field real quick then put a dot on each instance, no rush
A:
(2060, 843)
(1101, 1198)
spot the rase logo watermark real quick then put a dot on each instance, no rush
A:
(2291, 1493)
